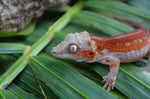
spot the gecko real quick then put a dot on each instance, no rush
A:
(113, 50)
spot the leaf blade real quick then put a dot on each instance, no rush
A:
(7, 48)
(71, 78)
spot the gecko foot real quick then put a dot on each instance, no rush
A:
(109, 82)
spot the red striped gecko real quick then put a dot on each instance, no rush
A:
(127, 47)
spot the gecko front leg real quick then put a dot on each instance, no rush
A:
(110, 79)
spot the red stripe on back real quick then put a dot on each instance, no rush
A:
(116, 44)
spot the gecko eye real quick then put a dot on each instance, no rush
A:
(72, 48)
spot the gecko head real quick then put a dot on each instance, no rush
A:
(77, 46)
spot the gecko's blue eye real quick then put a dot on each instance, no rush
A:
(73, 48)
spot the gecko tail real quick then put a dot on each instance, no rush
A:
(134, 23)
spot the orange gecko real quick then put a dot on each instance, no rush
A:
(127, 47)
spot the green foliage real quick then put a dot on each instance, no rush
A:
(45, 76)
(6, 48)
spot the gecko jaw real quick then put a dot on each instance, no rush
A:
(66, 55)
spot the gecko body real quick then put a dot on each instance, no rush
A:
(127, 47)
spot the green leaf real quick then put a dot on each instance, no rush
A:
(8, 48)
(131, 84)
(120, 6)
(115, 8)
(102, 22)
(26, 80)
(26, 31)
(20, 64)
(21, 93)
(59, 72)
(5, 94)
(138, 74)
(140, 4)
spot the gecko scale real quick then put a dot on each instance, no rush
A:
(127, 47)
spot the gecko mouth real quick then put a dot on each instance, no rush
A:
(66, 55)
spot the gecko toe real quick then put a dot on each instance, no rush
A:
(109, 83)
(104, 79)
(105, 86)
(108, 89)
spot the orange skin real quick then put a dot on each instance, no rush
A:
(112, 44)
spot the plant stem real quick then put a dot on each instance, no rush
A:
(22, 62)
